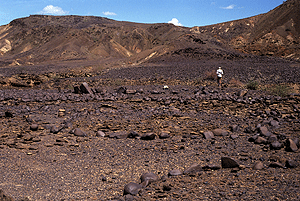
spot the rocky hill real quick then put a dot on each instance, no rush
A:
(276, 33)
(41, 39)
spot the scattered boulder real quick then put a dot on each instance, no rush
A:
(148, 136)
(78, 132)
(291, 145)
(264, 131)
(291, 164)
(119, 135)
(175, 172)
(147, 178)
(132, 188)
(234, 128)
(276, 165)
(34, 127)
(211, 167)
(258, 166)
(100, 134)
(220, 132)
(164, 135)
(85, 89)
(208, 135)
(260, 140)
(228, 162)
(276, 145)
(194, 168)
(133, 134)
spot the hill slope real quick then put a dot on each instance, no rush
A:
(40, 39)
(274, 33)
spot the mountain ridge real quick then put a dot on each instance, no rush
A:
(39, 39)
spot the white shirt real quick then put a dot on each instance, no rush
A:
(219, 72)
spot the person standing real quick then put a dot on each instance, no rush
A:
(219, 76)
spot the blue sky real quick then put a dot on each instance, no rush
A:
(187, 13)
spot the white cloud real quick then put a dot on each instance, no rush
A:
(175, 22)
(230, 7)
(53, 10)
(109, 13)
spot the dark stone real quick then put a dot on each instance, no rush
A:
(276, 145)
(78, 132)
(34, 127)
(234, 128)
(100, 134)
(166, 187)
(85, 89)
(119, 135)
(194, 168)
(274, 123)
(258, 166)
(264, 131)
(220, 132)
(148, 136)
(147, 178)
(208, 135)
(164, 135)
(272, 138)
(121, 90)
(228, 162)
(291, 164)
(211, 167)
(132, 188)
(133, 134)
(175, 172)
(291, 145)
(8, 114)
(54, 129)
(260, 140)
(276, 165)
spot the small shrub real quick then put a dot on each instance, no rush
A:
(281, 90)
(210, 75)
(252, 85)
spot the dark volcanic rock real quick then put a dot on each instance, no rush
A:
(208, 135)
(264, 131)
(219, 132)
(291, 164)
(175, 172)
(276, 145)
(148, 136)
(258, 166)
(148, 178)
(34, 127)
(132, 188)
(119, 135)
(228, 162)
(194, 168)
(291, 145)
(78, 132)
(85, 89)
